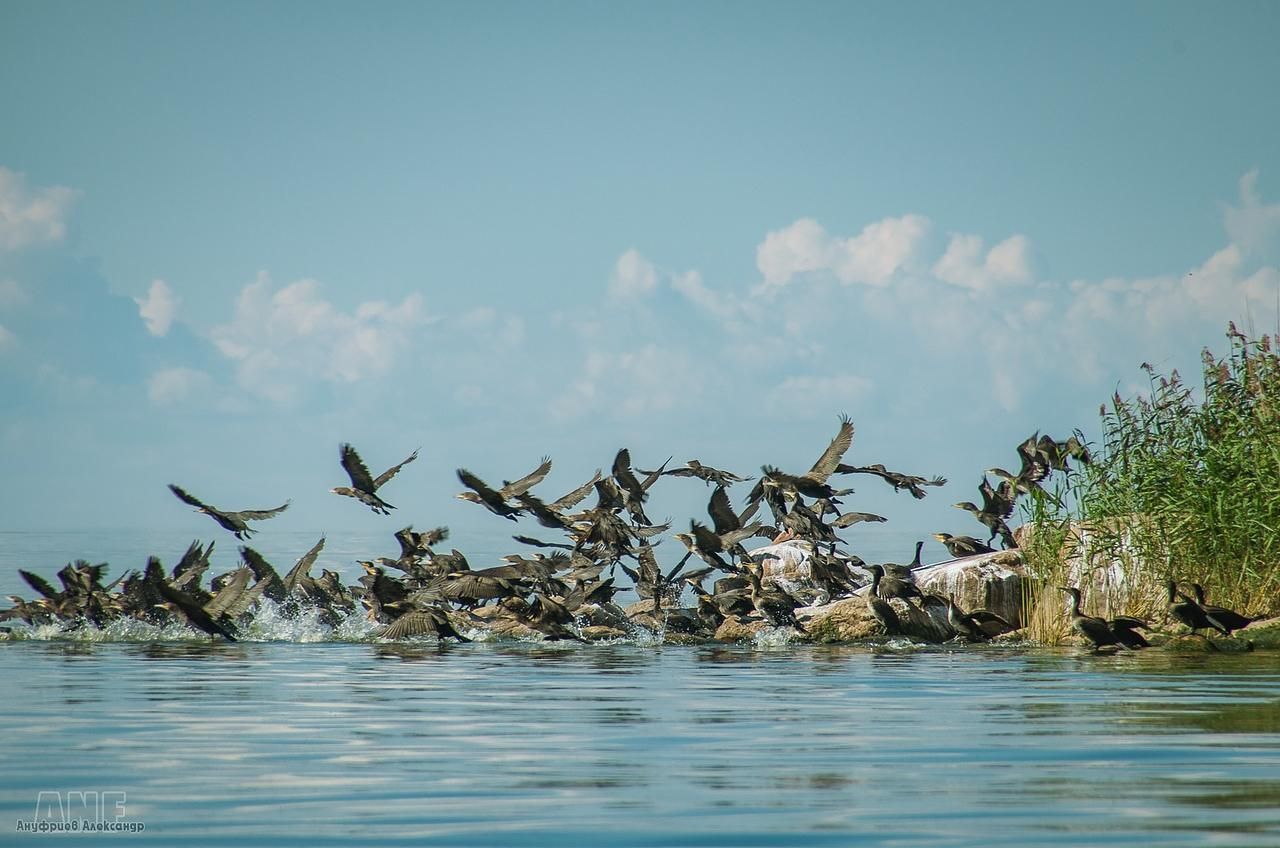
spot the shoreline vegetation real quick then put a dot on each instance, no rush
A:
(1179, 494)
(1183, 486)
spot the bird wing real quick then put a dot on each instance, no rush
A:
(527, 482)
(575, 497)
(229, 593)
(412, 623)
(474, 483)
(831, 457)
(258, 514)
(704, 538)
(302, 568)
(189, 499)
(356, 469)
(393, 470)
(626, 479)
(35, 581)
(877, 469)
(721, 511)
(850, 518)
(651, 477)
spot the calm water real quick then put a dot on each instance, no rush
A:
(356, 743)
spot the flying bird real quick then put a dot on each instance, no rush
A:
(364, 486)
(497, 500)
(236, 522)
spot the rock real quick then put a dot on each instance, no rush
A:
(845, 620)
(1263, 634)
(595, 633)
(601, 615)
(997, 582)
(788, 560)
(740, 629)
(1189, 644)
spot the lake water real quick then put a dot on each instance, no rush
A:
(346, 741)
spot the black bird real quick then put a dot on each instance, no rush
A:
(813, 483)
(1220, 618)
(1101, 632)
(491, 499)
(964, 624)
(881, 610)
(888, 586)
(429, 620)
(188, 606)
(997, 505)
(496, 500)
(1125, 629)
(364, 487)
(1096, 630)
(777, 607)
(709, 475)
(848, 519)
(236, 522)
(1188, 612)
(911, 482)
(962, 546)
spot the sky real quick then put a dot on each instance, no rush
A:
(236, 235)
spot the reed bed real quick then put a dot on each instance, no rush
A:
(1184, 484)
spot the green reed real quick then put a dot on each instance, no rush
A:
(1187, 484)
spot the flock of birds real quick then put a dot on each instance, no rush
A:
(561, 590)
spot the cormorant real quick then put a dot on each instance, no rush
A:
(1096, 630)
(1221, 618)
(777, 607)
(911, 482)
(888, 586)
(1188, 612)
(962, 546)
(188, 606)
(236, 522)
(364, 487)
(709, 475)
(881, 610)
(1101, 632)
(419, 622)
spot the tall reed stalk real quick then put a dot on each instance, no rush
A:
(1183, 485)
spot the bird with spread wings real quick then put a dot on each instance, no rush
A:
(236, 522)
(364, 486)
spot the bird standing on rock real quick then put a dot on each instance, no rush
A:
(1101, 632)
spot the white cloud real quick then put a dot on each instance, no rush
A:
(1253, 225)
(283, 339)
(12, 294)
(873, 257)
(31, 216)
(800, 248)
(158, 308)
(633, 276)
(171, 385)
(964, 263)
(723, 306)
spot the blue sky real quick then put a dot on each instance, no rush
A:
(233, 236)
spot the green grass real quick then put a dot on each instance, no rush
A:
(1185, 483)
